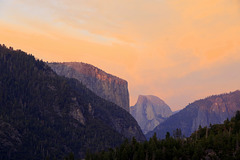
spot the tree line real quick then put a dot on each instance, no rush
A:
(219, 141)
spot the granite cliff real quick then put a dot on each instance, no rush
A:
(101, 83)
(211, 110)
(150, 111)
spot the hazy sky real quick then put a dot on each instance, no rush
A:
(178, 50)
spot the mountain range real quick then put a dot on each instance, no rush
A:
(48, 110)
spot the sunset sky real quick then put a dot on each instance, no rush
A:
(178, 50)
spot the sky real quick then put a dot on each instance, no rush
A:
(178, 50)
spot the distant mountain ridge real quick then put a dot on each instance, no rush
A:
(150, 111)
(211, 110)
(47, 116)
(105, 85)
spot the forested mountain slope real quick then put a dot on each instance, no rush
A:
(43, 115)
(219, 141)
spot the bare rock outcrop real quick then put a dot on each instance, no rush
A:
(105, 85)
(150, 111)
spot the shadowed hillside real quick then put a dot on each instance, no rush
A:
(43, 115)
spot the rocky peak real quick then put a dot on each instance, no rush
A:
(105, 85)
(211, 110)
(150, 111)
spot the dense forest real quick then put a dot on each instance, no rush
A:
(219, 141)
(43, 115)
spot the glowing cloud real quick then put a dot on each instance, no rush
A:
(177, 50)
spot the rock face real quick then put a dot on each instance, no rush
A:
(212, 110)
(103, 84)
(150, 111)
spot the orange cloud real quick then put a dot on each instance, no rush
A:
(174, 49)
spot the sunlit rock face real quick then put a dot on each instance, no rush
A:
(105, 85)
(216, 109)
(211, 110)
(150, 111)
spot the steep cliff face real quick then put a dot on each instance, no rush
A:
(211, 110)
(103, 84)
(150, 111)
